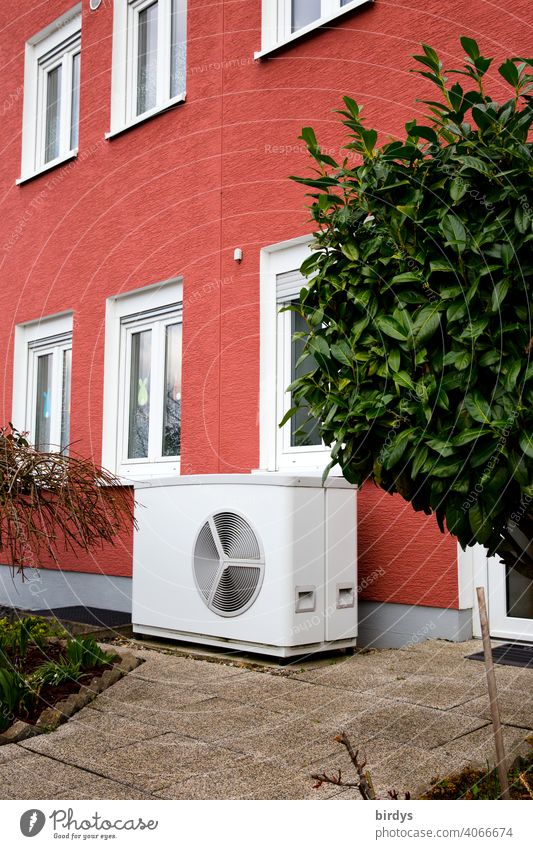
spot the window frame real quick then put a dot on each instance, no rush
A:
(276, 452)
(289, 455)
(159, 304)
(54, 46)
(125, 67)
(51, 335)
(276, 22)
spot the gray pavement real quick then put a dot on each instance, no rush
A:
(186, 728)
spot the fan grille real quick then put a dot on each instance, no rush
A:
(228, 564)
(237, 539)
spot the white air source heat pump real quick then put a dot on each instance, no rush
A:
(260, 563)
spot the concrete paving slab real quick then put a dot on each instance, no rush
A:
(349, 676)
(161, 717)
(477, 748)
(290, 742)
(96, 788)
(347, 796)
(90, 735)
(39, 777)
(448, 648)
(224, 722)
(436, 691)
(10, 752)
(272, 692)
(102, 788)
(141, 700)
(516, 707)
(158, 762)
(248, 778)
(379, 668)
(307, 701)
(405, 723)
(397, 767)
(169, 669)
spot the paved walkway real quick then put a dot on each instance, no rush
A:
(183, 728)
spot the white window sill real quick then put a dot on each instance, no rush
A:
(305, 471)
(151, 113)
(130, 476)
(48, 167)
(321, 22)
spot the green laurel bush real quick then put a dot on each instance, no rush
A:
(419, 305)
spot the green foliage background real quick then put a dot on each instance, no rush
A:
(419, 306)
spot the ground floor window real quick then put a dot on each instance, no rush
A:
(42, 382)
(152, 386)
(297, 444)
(142, 415)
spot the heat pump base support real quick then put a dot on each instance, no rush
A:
(235, 645)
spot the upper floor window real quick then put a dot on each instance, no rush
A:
(42, 380)
(285, 20)
(52, 94)
(142, 407)
(149, 43)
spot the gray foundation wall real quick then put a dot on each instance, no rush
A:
(49, 588)
(381, 625)
(385, 625)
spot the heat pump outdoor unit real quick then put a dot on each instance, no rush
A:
(261, 563)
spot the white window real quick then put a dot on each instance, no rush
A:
(285, 20)
(149, 53)
(297, 445)
(52, 95)
(42, 379)
(142, 393)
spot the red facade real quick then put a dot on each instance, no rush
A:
(175, 195)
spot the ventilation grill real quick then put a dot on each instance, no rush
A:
(228, 564)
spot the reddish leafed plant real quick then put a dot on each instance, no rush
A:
(53, 500)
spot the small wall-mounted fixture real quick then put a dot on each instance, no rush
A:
(94, 4)
(237, 254)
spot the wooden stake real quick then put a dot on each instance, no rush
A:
(493, 695)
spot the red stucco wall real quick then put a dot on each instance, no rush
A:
(176, 194)
(402, 556)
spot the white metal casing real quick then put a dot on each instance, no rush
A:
(308, 535)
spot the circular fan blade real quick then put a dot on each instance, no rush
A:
(206, 561)
(237, 538)
(236, 586)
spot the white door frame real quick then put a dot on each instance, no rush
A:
(489, 572)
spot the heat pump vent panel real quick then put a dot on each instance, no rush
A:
(228, 564)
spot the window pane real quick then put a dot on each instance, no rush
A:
(53, 110)
(43, 402)
(172, 404)
(304, 12)
(304, 428)
(147, 59)
(519, 594)
(139, 402)
(65, 398)
(75, 101)
(345, 2)
(177, 48)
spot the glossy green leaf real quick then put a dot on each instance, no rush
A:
(478, 407)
